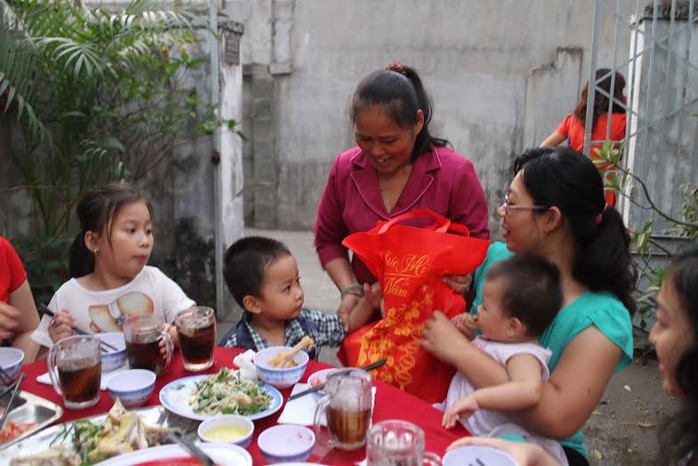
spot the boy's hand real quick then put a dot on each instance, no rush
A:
(460, 410)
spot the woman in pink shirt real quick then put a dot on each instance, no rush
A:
(396, 166)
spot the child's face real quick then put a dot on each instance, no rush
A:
(493, 322)
(671, 335)
(281, 296)
(131, 242)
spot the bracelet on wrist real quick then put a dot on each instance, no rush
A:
(356, 289)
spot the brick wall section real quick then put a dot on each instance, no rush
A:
(261, 162)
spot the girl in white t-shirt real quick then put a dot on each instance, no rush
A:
(108, 265)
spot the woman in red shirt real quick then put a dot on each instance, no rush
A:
(18, 315)
(572, 126)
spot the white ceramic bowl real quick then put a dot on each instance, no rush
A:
(207, 434)
(286, 443)
(113, 359)
(278, 377)
(470, 454)
(319, 377)
(133, 387)
(11, 360)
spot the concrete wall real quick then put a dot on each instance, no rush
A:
(502, 76)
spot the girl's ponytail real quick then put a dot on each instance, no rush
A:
(603, 263)
(81, 261)
(96, 213)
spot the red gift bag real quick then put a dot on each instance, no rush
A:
(410, 261)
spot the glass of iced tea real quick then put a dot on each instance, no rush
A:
(347, 407)
(143, 335)
(75, 369)
(398, 443)
(196, 330)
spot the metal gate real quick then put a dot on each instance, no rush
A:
(661, 67)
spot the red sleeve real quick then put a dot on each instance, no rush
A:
(14, 265)
(330, 228)
(618, 126)
(468, 201)
(564, 126)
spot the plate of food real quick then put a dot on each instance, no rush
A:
(222, 454)
(200, 397)
(29, 414)
(91, 440)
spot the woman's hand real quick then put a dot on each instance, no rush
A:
(9, 320)
(349, 302)
(61, 325)
(525, 454)
(459, 283)
(442, 339)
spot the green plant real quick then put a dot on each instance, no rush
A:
(98, 96)
(684, 226)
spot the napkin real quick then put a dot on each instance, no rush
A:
(302, 410)
(44, 378)
(247, 367)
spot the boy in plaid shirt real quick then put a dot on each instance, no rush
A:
(262, 275)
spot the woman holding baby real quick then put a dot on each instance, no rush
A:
(555, 209)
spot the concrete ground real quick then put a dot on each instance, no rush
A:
(621, 431)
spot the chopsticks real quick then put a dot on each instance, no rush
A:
(189, 446)
(44, 308)
(369, 367)
(12, 400)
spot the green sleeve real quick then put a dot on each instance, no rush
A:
(497, 251)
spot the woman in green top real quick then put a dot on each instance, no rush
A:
(555, 208)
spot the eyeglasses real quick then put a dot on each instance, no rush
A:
(508, 207)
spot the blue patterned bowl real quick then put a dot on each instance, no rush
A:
(286, 443)
(113, 359)
(133, 387)
(11, 360)
(207, 429)
(279, 377)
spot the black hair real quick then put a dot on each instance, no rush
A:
(400, 93)
(679, 437)
(244, 264)
(532, 291)
(604, 78)
(97, 210)
(565, 178)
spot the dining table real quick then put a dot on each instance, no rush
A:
(390, 403)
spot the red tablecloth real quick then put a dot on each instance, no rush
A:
(391, 403)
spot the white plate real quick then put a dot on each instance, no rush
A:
(175, 397)
(300, 464)
(223, 454)
(320, 377)
(475, 454)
